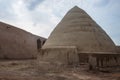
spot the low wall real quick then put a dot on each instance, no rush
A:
(61, 55)
(102, 61)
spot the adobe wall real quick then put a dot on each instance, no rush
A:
(118, 49)
(104, 61)
(16, 43)
(60, 56)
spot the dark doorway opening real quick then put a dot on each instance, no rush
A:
(83, 58)
(38, 44)
(43, 42)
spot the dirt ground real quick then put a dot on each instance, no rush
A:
(30, 70)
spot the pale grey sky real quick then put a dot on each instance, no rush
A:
(40, 17)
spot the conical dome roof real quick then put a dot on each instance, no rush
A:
(78, 29)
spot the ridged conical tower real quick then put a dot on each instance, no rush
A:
(78, 29)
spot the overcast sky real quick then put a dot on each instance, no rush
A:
(40, 17)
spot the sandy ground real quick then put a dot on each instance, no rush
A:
(30, 70)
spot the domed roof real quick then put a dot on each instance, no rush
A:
(78, 29)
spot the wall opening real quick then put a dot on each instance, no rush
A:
(43, 42)
(83, 58)
(38, 44)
